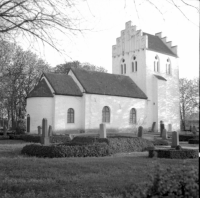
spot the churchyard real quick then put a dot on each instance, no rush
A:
(110, 176)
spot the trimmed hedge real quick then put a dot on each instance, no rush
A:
(193, 141)
(186, 138)
(36, 138)
(174, 154)
(94, 150)
(164, 183)
(4, 137)
(158, 142)
(118, 144)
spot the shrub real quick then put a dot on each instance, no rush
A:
(4, 137)
(193, 141)
(21, 126)
(160, 142)
(178, 183)
(174, 154)
(94, 150)
(186, 138)
(118, 144)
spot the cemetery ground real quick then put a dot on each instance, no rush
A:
(31, 177)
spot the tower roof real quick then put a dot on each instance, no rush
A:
(156, 44)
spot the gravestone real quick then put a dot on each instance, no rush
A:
(164, 134)
(194, 130)
(175, 139)
(153, 127)
(102, 132)
(39, 130)
(45, 137)
(50, 131)
(140, 131)
(5, 130)
(162, 126)
(169, 127)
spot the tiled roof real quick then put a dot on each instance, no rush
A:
(63, 84)
(160, 77)
(156, 44)
(40, 90)
(108, 84)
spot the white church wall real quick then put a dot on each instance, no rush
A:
(172, 115)
(62, 104)
(39, 108)
(120, 111)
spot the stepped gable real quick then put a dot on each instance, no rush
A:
(108, 84)
(155, 43)
(63, 84)
(40, 90)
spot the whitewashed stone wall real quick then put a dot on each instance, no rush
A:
(120, 111)
(62, 104)
(39, 108)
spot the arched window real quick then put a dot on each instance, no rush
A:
(156, 64)
(168, 66)
(133, 116)
(70, 115)
(123, 66)
(106, 114)
(134, 64)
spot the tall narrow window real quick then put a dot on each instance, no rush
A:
(70, 115)
(106, 114)
(122, 69)
(133, 116)
(134, 64)
(168, 66)
(156, 64)
(123, 66)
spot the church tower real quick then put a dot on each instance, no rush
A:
(152, 63)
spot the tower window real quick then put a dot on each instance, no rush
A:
(134, 64)
(156, 64)
(168, 67)
(123, 66)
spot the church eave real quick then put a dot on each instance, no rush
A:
(162, 52)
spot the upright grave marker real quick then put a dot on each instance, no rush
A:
(175, 139)
(140, 131)
(45, 137)
(102, 133)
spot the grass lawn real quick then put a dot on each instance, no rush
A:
(31, 177)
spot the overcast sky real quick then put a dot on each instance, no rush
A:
(106, 19)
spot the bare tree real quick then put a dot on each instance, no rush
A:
(189, 98)
(38, 19)
(21, 70)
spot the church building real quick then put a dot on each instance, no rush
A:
(142, 91)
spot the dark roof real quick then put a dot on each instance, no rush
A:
(41, 90)
(63, 84)
(160, 77)
(157, 45)
(108, 84)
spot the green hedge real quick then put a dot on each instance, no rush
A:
(94, 150)
(174, 154)
(186, 138)
(164, 183)
(36, 138)
(118, 144)
(193, 141)
(161, 142)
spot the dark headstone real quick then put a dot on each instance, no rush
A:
(45, 140)
(153, 127)
(162, 126)
(140, 131)
(5, 130)
(39, 130)
(175, 139)
(50, 130)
